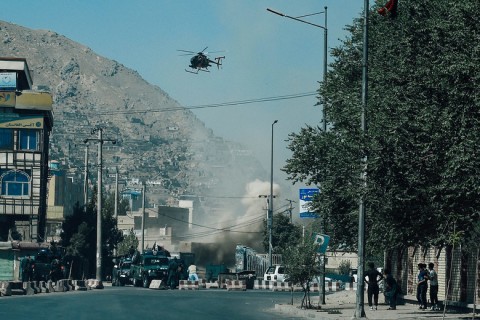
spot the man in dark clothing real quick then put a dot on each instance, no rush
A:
(422, 286)
(391, 289)
(373, 278)
(172, 273)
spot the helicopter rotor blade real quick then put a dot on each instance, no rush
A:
(204, 49)
(187, 51)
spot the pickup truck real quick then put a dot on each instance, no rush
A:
(147, 267)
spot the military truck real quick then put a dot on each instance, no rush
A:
(147, 267)
(121, 272)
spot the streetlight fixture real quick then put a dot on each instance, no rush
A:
(324, 113)
(270, 205)
(100, 141)
(325, 47)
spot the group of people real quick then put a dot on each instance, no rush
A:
(425, 276)
(372, 277)
(392, 289)
(176, 273)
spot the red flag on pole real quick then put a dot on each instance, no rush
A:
(390, 9)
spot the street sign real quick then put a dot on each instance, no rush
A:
(322, 241)
(306, 197)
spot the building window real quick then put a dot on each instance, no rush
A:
(6, 139)
(15, 183)
(28, 139)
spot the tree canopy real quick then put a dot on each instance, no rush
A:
(423, 129)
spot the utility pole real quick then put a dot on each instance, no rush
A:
(360, 311)
(269, 225)
(143, 217)
(290, 209)
(85, 180)
(270, 206)
(100, 141)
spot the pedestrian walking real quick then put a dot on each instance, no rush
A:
(373, 277)
(391, 289)
(422, 286)
(433, 277)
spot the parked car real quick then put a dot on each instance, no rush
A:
(275, 273)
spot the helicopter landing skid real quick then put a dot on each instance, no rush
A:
(196, 71)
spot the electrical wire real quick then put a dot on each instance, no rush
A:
(215, 105)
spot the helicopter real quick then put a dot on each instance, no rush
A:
(200, 61)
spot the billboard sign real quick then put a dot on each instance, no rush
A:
(306, 197)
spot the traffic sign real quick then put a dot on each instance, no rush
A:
(322, 241)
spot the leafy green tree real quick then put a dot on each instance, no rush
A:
(302, 266)
(423, 127)
(128, 241)
(79, 234)
(284, 234)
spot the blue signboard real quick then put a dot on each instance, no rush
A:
(8, 81)
(306, 197)
(322, 241)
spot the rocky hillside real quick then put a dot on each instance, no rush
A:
(159, 141)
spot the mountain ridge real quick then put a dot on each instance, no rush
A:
(158, 139)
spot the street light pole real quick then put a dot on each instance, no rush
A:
(324, 113)
(100, 141)
(270, 205)
(360, 311)
(325, 48)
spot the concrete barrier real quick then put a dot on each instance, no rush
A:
(157, 284)
(5, 288)
(95, 284)
(29, 288)
(43, 287)
(281, 286)
(262, 285)
(79, 285)
(236, 285)
(188, 285)
(49, 284)
(212, 285)
(59, 286)
(17, 288)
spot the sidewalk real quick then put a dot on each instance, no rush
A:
(342, 305)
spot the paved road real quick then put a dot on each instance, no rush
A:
(118, 303)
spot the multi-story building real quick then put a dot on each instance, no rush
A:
(26, 120)
(64, 193)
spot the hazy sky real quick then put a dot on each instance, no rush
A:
(267, 56)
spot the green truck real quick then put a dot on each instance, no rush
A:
(152, 265)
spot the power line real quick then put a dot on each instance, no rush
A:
(215, 105)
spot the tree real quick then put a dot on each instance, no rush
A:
(284, 234)
(79, 234)
(128, 241)
(423, 126)
(302, 266)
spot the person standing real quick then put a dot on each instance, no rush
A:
(433, 276)
(192, 272)
(172, 273)
(373, 278)
(391, 289)
(422, 286)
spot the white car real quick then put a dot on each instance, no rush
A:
(275, 273)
